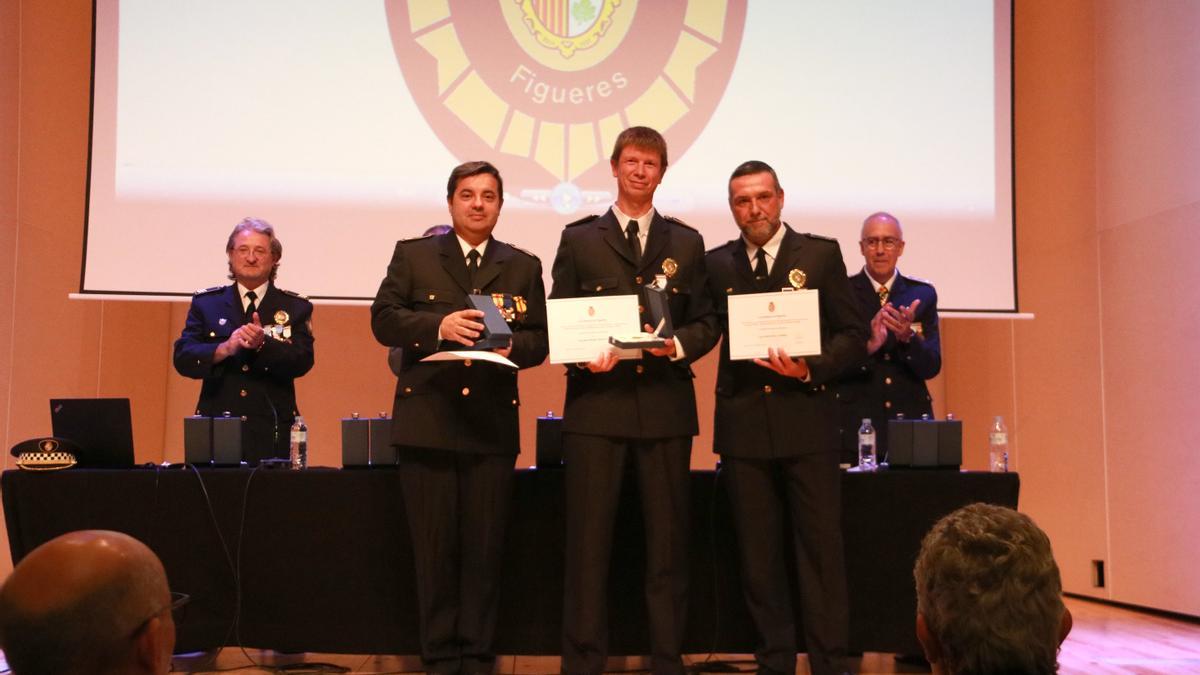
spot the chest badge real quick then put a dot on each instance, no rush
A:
(670, 268)
(222, 321)
(797, 277)
(281, 317)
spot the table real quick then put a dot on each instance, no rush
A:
(319, 560)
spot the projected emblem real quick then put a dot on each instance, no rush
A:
(543, 87)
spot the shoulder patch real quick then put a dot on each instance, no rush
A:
(418, 237)
(582, 221)
(294, 294)
(722, 247)
(528, 253)
(206, 291)
(821, 237)
(677, 221)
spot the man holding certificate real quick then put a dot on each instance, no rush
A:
(790, 326)
(638, 410)
(456, 418)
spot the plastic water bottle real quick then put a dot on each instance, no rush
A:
(299, 446)
(866, 446)
(998, 445)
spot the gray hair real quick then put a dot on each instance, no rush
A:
(260, 226)
(990, 592)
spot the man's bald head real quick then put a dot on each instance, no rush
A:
(89, 601)
(882, 244)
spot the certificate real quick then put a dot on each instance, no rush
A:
(789, 320)
(579, 328)
(468, 355)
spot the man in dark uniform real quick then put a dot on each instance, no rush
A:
(642, 411)
(248, 341)
(903, 346)
(776, 429)
(456, 421)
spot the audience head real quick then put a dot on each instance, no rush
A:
(989, 596)
(92, 602)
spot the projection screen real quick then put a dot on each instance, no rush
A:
(339, 122)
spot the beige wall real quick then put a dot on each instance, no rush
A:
(1147, 198)
(1106, 162)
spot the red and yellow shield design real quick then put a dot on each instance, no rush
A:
(543, 87)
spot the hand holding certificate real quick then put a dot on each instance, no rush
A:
(580, 327)
(761, 322)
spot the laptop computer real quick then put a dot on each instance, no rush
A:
(103, 428)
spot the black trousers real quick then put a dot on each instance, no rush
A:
(594, 468)
(809, 487)
(457, 506)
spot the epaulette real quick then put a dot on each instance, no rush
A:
(727, 244)
(820, 236)
(418, 237)
(918, 280)
(294, 294)
(677, 221)
(528, 253)
(583, 221)
(206, 291)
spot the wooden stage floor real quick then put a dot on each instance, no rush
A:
(1105, 640)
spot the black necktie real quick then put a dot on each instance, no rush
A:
(473, 267)
(635, 244)
(251, 308)
(760, 268)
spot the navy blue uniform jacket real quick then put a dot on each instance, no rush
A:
(257, 385)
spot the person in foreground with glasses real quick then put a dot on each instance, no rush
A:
(91, 601)
(903, 347)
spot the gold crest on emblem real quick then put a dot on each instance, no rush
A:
(568, 27)
(797, 277)
(281, 317)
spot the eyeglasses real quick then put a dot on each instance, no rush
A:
(245, 251)
(888, 243)
(178, 601)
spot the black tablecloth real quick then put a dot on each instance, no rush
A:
(320, 558)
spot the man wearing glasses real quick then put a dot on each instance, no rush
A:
(903, 349)
(92, 602)
(249, 341)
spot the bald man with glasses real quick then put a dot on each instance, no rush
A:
(91, 601)
(903, 347)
